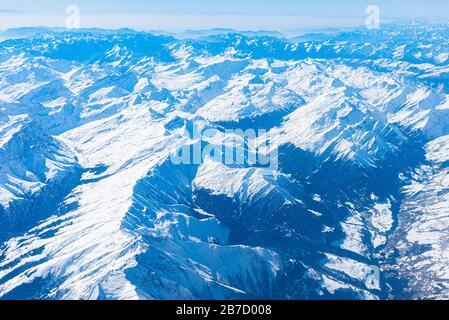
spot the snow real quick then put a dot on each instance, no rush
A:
(355, 270)
(381, 221)
(438, 150)
(354, 229)
(92, 207)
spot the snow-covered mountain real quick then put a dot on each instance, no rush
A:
(92, 205)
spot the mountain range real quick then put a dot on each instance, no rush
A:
(93, 207)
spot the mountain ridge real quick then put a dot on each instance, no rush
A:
(356, 125)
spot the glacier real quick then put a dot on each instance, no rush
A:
(93, 207)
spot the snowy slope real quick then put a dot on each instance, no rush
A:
(418, 248)
(93, 207)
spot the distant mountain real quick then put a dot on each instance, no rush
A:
(311, 37)
(93, 204)
(16, 33)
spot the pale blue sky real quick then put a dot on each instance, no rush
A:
(197, 14)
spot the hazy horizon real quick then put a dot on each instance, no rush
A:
(281, 15)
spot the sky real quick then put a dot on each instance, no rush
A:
(205, 14)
